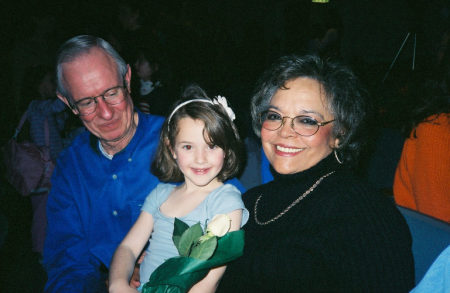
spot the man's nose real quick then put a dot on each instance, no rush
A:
(104, 110)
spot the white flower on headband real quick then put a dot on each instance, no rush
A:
(219, 100)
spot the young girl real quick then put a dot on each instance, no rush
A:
(199, 145)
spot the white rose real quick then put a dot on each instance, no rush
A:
(219, 225)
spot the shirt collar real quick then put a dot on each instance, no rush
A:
(96, 145)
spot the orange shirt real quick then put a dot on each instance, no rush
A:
(422, 178)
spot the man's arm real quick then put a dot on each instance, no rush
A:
(66, 257)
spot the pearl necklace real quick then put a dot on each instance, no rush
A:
(300, 198)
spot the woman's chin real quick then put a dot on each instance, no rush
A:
(286, 169)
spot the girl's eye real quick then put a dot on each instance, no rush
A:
(212, 147)
(187, 147)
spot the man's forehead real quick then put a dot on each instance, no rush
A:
(90, 73)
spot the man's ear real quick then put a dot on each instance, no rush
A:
(65, 101)
(128, 78)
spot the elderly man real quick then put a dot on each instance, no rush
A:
(102, 179)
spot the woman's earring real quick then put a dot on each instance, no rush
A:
(337, 158)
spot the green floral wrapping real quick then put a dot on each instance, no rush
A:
(179, 274)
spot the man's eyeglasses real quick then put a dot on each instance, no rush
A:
(302, 125)
(112, 96)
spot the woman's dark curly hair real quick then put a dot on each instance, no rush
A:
(346, 99)
(219, 131)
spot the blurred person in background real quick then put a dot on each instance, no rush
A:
(422, 178)
(151, 86)
(44, 110)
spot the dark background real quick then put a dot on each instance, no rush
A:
(224, 45)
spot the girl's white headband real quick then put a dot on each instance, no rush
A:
(219, 100)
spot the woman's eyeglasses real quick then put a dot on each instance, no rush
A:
(302, 125)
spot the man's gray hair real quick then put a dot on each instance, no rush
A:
(80, 45)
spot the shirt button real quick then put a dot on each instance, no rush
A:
(114, 176)
(114, 213)
(130, 159)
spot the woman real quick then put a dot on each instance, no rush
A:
(316, 226)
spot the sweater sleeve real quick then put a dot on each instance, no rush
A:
(402, 189)
(431, 176)
(422, 180)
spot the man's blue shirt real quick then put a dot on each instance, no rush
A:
(93, 203)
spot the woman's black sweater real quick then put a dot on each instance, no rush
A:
(342, 237)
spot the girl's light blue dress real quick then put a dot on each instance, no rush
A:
(222, 200)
